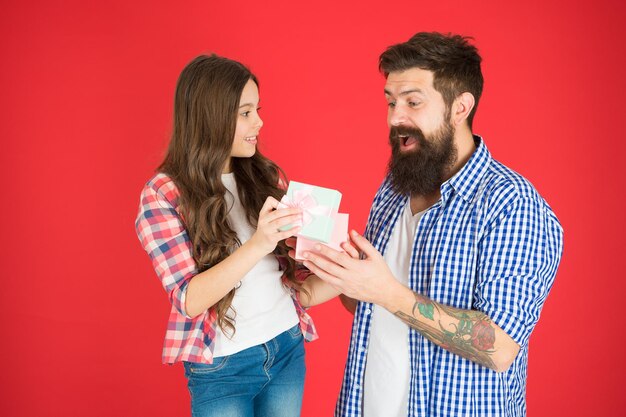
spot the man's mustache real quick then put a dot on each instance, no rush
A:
(397, 131)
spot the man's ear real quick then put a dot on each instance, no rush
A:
(462, 107)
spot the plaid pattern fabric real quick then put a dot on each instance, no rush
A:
(163, 236)
(490, 244)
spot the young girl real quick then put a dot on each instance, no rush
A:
(209, 222)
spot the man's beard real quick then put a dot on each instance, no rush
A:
(421, 171)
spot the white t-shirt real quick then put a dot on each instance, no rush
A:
(387, 371)
(264, 308)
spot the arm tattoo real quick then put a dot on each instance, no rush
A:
(470, 335)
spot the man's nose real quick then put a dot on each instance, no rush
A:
(397, 116)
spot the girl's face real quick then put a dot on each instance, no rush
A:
(248, 124)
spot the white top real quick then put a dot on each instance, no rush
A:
(387, 371)
(264, 308)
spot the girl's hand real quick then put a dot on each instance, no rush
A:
(267, 234)
(291, 243)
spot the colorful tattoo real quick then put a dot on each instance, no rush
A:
(472, 336)
(425, 307)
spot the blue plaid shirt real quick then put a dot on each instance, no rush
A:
(491, 244)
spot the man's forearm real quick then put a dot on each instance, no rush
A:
(467, 333)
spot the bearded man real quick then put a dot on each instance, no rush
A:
(458, 256)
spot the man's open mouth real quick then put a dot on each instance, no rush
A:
(407, 140)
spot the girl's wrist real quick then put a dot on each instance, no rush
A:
(255, 248)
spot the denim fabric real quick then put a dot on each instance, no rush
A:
(266, 380)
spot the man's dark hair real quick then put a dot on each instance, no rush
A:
(455, 64)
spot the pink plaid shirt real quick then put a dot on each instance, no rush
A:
(165, 239)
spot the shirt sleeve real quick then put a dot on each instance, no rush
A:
(519, 256)
(165, 239)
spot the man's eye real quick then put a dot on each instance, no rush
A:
(391, 104)
(413, 103)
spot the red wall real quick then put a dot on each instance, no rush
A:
(85, 102)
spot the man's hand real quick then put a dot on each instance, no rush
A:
(291, 242)
(368, 279)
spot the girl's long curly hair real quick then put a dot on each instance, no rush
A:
(205, 117)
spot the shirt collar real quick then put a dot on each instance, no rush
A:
(465, 182)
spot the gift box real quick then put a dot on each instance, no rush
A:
(338, 236)
(319, 206)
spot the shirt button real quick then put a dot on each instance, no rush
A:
(357, 386)
(361, 349)
(368, 311)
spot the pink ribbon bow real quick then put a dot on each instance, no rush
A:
(304, 200)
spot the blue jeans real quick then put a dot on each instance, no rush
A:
(266, 380)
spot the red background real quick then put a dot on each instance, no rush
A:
(86, 100)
